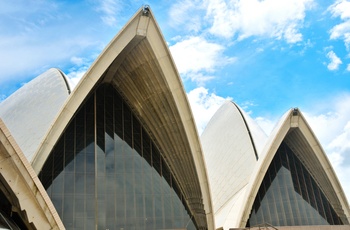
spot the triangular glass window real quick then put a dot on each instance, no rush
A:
(289, 195)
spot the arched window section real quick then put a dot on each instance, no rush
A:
(106, 171)
(289, 195)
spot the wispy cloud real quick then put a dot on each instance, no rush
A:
(109, 10)
(38, 35)
(204, 105)
(332, 128)
(342, 30)
(334, 61)
(186, 14)
(80, 66)
(195, 55)
(268, 18)
(266, 124)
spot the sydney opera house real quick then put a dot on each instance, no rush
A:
(121, 151)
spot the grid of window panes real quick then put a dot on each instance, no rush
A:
(106, 173)
(289, 196)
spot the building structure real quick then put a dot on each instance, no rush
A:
(121, 151)
(283, 180)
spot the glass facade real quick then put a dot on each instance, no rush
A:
(289, 196)
(8, 218)
(105, 172)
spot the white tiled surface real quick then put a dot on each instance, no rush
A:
(29, 112)
(229, 157)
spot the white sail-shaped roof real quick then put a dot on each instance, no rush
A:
(29, 112)
(230, 142)
(137, 62)
(294, 130)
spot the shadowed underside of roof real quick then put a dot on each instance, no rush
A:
(138, 63)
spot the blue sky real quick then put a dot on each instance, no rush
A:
(267, 55)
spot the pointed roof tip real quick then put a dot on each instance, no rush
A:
(296, 111)
(146, 9)
(140, 48)
(294, 129)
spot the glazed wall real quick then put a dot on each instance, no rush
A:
(289, 196)
(105, 172)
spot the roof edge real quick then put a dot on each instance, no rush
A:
(140, 27)
(65, 78)
(292, 119)
(84, 86)
(29, 191)
(248, 130)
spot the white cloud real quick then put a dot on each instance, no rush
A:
(181, 15)
(332, 128)
(266, 124)
(348, 67)
(341, 31)
(195, 55)
(269, 18)
(341, 8)
(81, 65)
(109, 9)
(38, 35)
(77, 60)
(75, 75)
(204, 105)
(334, 61)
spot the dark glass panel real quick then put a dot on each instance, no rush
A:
(146, 147)
(118, 115)
(289, 195)
(58, 155)
(110, 155)
(79, 206)
(46, 176)
(80, 130)
(68, 211)
(127, 115)
(105, 171)
(90, 119)
(57, 202)
(69, 137)
(109, 110)
(58, 185)
(156, 160)
(166, 172)
(137, 135)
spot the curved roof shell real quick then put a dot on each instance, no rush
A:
(230, 143)
(139, 65)
(238, 154)
(22, 187)
(294, 130)
(29, 112)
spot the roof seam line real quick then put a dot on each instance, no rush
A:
(249, 133)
